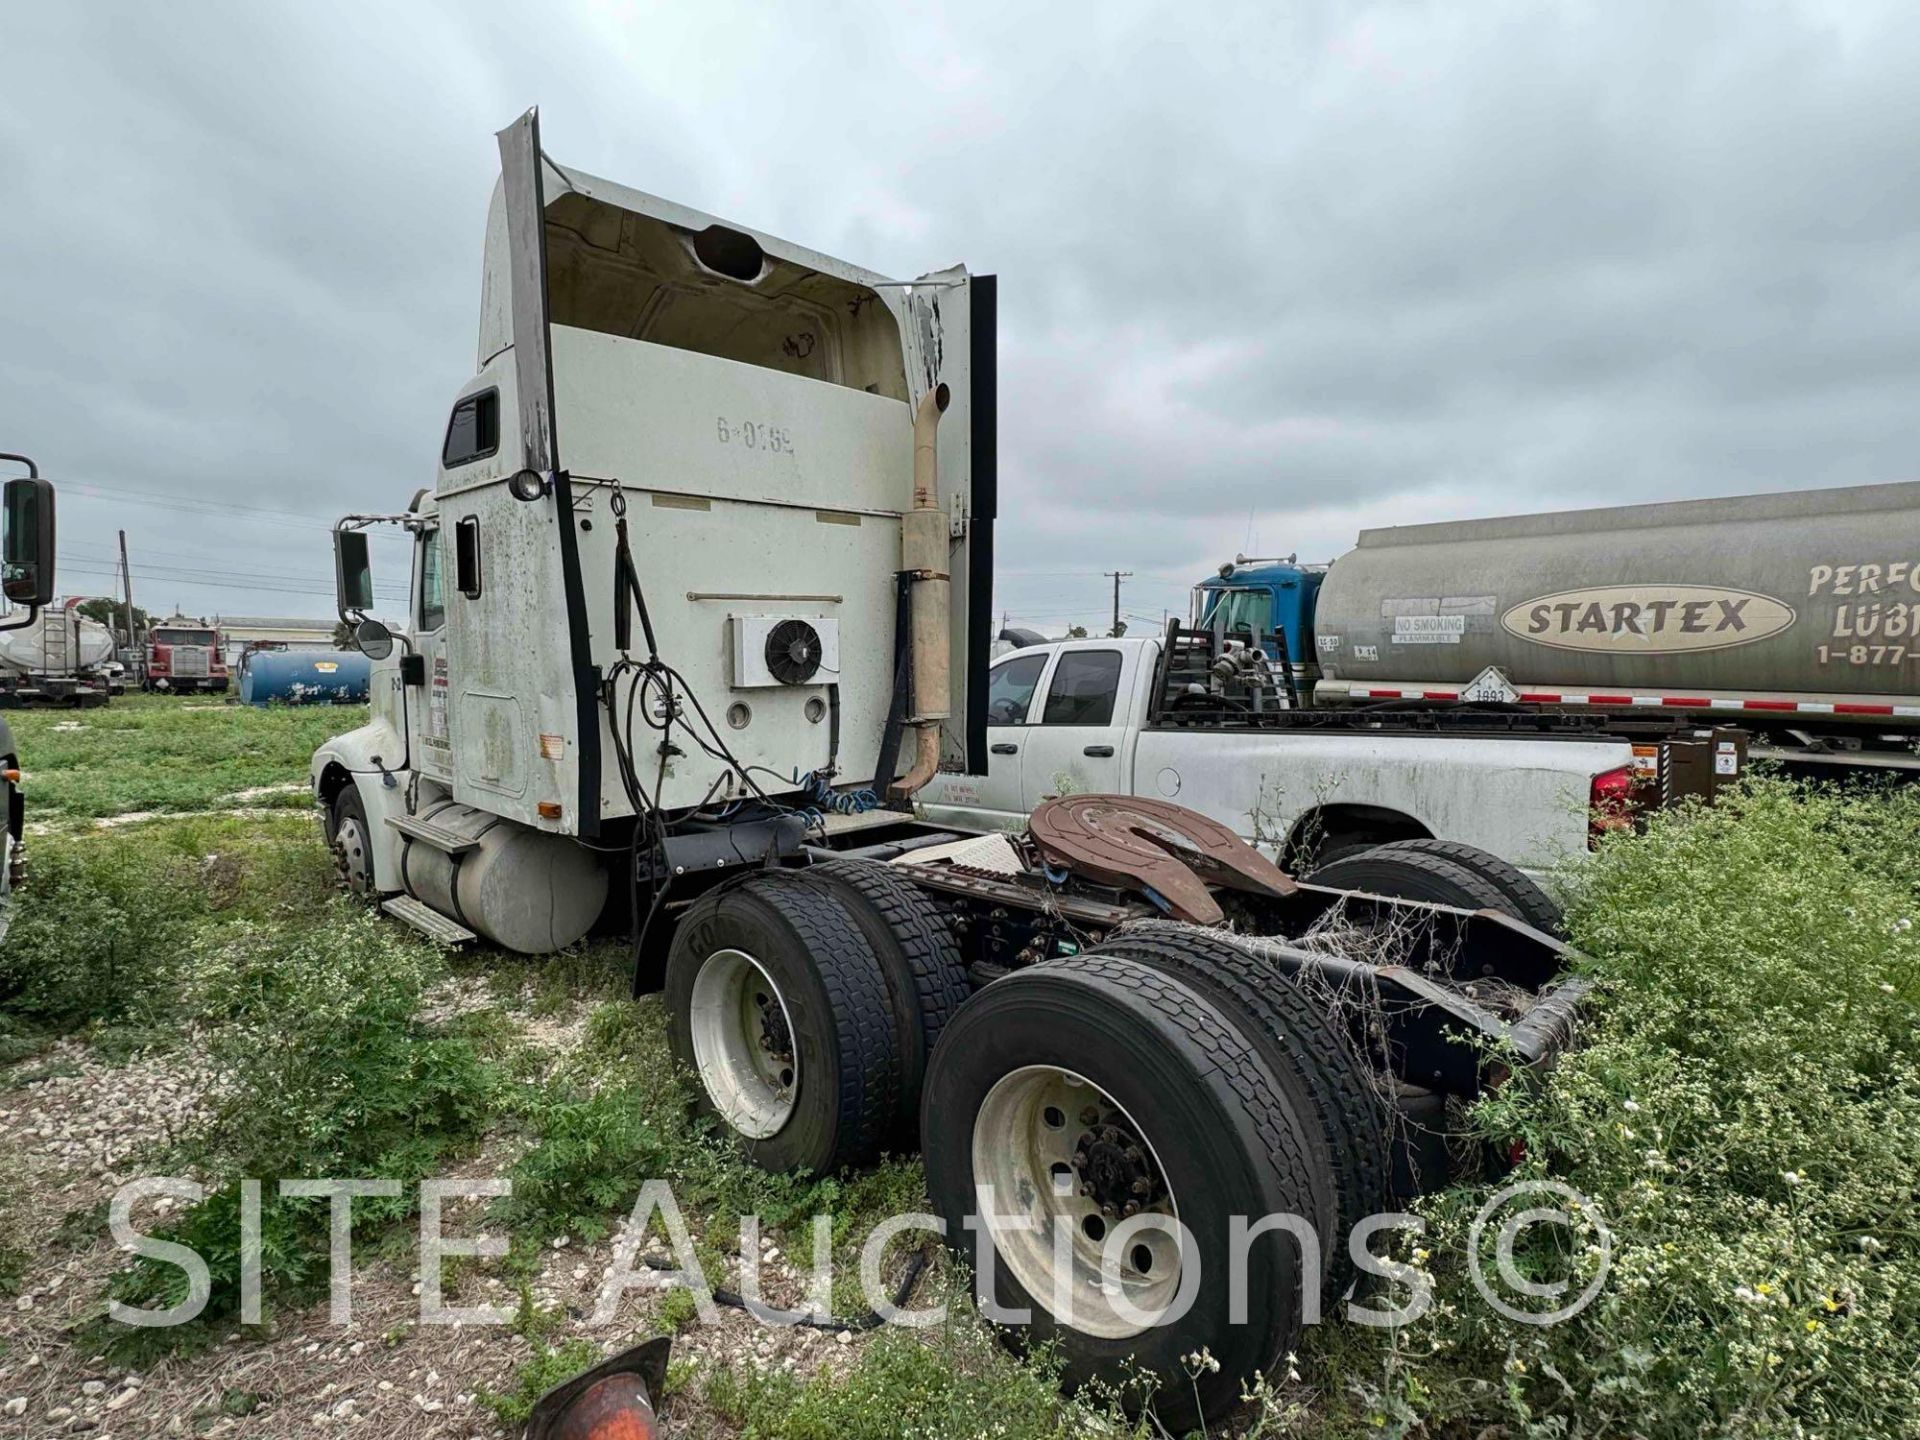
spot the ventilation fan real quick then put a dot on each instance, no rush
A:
(793, 652)
(770, 651)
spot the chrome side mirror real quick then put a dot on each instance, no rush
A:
(373, 638)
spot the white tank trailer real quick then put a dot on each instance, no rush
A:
(59, 642)
(1800, 608)
(60, 657)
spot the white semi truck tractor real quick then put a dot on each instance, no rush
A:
(699, 603)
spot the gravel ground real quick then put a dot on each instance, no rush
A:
(70, 1136)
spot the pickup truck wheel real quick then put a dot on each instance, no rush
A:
(1112, 1104)
(1311, 1056)
(1525, 899)
(352, 842)
(1404, 875)
(919, 960)
(776, 1004)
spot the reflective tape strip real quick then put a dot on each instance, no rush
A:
(1407, 694)
(1660, 702)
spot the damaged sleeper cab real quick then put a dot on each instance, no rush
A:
(699, 599)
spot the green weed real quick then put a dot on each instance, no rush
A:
(322, 1067)
(677, 1310)
(549, 1366)
(618, 1113)
(1744, 1114)
(146, 753)
(103, 934)
(955, 1381)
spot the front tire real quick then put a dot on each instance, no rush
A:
(1084, 1085)
(777, 1005)
(352, 842)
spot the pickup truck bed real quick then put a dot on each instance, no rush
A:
(1072, 717)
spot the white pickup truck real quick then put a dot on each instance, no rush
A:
(1075, 717)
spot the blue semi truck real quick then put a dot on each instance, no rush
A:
(1269, 598)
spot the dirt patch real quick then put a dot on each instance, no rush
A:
(108, 823)
(68, 1138)
(260, 792)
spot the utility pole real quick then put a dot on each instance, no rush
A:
(126, 579)
(1117, 576)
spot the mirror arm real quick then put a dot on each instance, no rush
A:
(352, 618)
(362, 522)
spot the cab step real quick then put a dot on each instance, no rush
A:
(427, 920)
(434, 837)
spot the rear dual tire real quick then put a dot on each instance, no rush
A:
(1195, 1081)
(919, 963)
(1167, 1071)
(1161, 1066)
(777, 1005)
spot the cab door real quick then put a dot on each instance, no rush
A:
(427, 704)
(994, 799)
(1079, 744)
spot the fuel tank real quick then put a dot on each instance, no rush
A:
(524, 889)
(304, 677)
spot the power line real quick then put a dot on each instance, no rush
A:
(225, 578)
(317, 590)
(191, 572)
(177, 500)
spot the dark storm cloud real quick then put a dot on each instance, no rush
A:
(1271, 274)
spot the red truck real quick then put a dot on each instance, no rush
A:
(185, 655)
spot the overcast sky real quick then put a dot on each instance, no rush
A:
(1266, 277)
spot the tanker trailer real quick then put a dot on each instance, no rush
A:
(1799, 613)
(59, 658)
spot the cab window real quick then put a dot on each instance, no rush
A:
(1011, 689)
(473, 430)
(1085, 685)
(433, 595)
(1243, 609)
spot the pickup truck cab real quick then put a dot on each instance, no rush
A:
(1076, 717)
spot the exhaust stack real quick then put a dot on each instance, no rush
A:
(923, 554)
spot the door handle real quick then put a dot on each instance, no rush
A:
(1098, 752)
(1003, 748)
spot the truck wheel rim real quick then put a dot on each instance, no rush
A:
(355, 868)
(743, 1044)
(1058, 1153)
